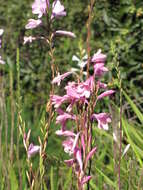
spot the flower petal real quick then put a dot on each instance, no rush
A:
(104, 94)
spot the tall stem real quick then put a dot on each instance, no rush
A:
(90, 8)
(18, 111)
(12, 114)
(120, 128)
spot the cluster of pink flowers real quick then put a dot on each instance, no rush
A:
(43, 8)
(78, 105)
(1, 33)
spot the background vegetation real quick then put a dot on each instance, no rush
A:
(117, 28)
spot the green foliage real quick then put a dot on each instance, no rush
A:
(135, 109)
(13, 179)
(68, 180)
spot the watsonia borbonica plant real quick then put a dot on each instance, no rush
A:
(47, 15)
(78, 104)
(42, 8)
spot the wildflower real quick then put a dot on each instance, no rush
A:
(101, 85)
(80, 94)
(79, 159)
(65, 133)
(104, 94)
(32, 150)
(57, 9)
(103, 119)
(32, 23)
(99, 69)
(60, 77)
(62, 119)
(28, 39)
(85, 179)
(98, 57)
(69, 162)
(89, 83)
(80, 91)
(70, 144)
(58, 100)
(39, 7)
(65, 33)
(90, 154)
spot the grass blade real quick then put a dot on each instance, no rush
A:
(107, 179)
(68, 180)
(134, 107)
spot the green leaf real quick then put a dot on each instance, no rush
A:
(53, 179)
(107, 179)
(134, 107)
(68, 179)
(135, 148)
(13, 179)
(93, 185)
(106, 18)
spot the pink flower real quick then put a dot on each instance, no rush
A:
(99, 69)
(70, 147)
(98, 57)
(85, 179)
(80, 91)
(104, 94)
(79, 159)
(62, 119)
(101, 85)
(70, 144)
(39, 7)
(58, 100)
(32, 23)
(60, 77)
(75, 141)
(71, 90)
(65, 33)
(103, 119)
(69, 162)
(90, 154)
(57, 9)
(33, 149)
(90, 83)
(70, 106)
(28, 39)
(65, 133)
